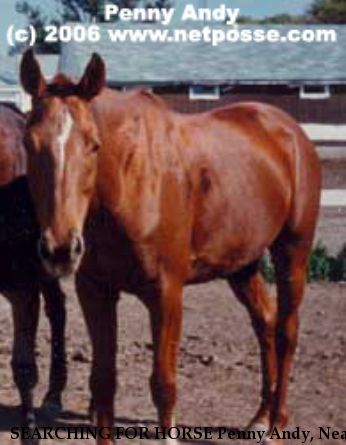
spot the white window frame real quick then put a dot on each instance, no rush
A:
(213, 95)
(323, 95)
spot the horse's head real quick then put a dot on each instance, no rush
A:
(61, 139)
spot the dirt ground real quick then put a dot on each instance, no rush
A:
(219, 378)
(219, 364)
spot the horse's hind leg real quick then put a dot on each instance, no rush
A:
(250, 288)
(56, 313)
(25, 307)
(290, 256)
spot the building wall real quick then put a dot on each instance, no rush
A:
(323, 120)
(326, 111)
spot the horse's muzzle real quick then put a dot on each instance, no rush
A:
(61, 259)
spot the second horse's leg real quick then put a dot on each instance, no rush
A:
(56, 313)
(25, 307)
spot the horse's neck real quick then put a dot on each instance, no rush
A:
(133, 168)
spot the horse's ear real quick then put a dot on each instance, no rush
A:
(31, 76)
(93, 79)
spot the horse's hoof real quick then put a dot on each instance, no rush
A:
(258, 427)
(92, 413)
(261, 427)
(170, 441)
(30, 426)
(30, 442)
(51, 407)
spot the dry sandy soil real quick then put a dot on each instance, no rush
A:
(219, 378)
(219, 365)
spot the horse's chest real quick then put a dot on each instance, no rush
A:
(113, 257)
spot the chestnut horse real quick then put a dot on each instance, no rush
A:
(21, 276)
(148, 200)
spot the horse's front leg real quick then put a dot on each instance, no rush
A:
(165, 306)
(56, 313)
(99, 308)
(25, 308)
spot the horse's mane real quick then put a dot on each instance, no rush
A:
(62, 86)
(152, 97)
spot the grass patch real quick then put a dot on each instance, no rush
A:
(322, 265)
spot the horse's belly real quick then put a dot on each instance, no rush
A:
(231, 236)
(208, 266)
(110, 258)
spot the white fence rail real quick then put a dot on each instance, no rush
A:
(15, 95)
(316, 132)
(333, 198)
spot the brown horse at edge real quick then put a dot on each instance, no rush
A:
(147, 200)
(22, 278)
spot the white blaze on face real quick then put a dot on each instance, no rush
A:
(63, 137)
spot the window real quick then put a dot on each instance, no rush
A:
(203, 92)
(314, 92)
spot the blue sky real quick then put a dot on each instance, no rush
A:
(255, 8)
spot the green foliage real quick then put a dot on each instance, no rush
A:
(322, 266)
(285, 19)
(321, 11)
(329, 11)
(37, 19)
(73, 11)
(279, 19)
(267, 269)
(319, 264)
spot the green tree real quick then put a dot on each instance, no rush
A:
(73, 11)
(279, 19)
(329, 11)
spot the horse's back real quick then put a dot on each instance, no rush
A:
(255, 174)
(288, 151)
(12, 152)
